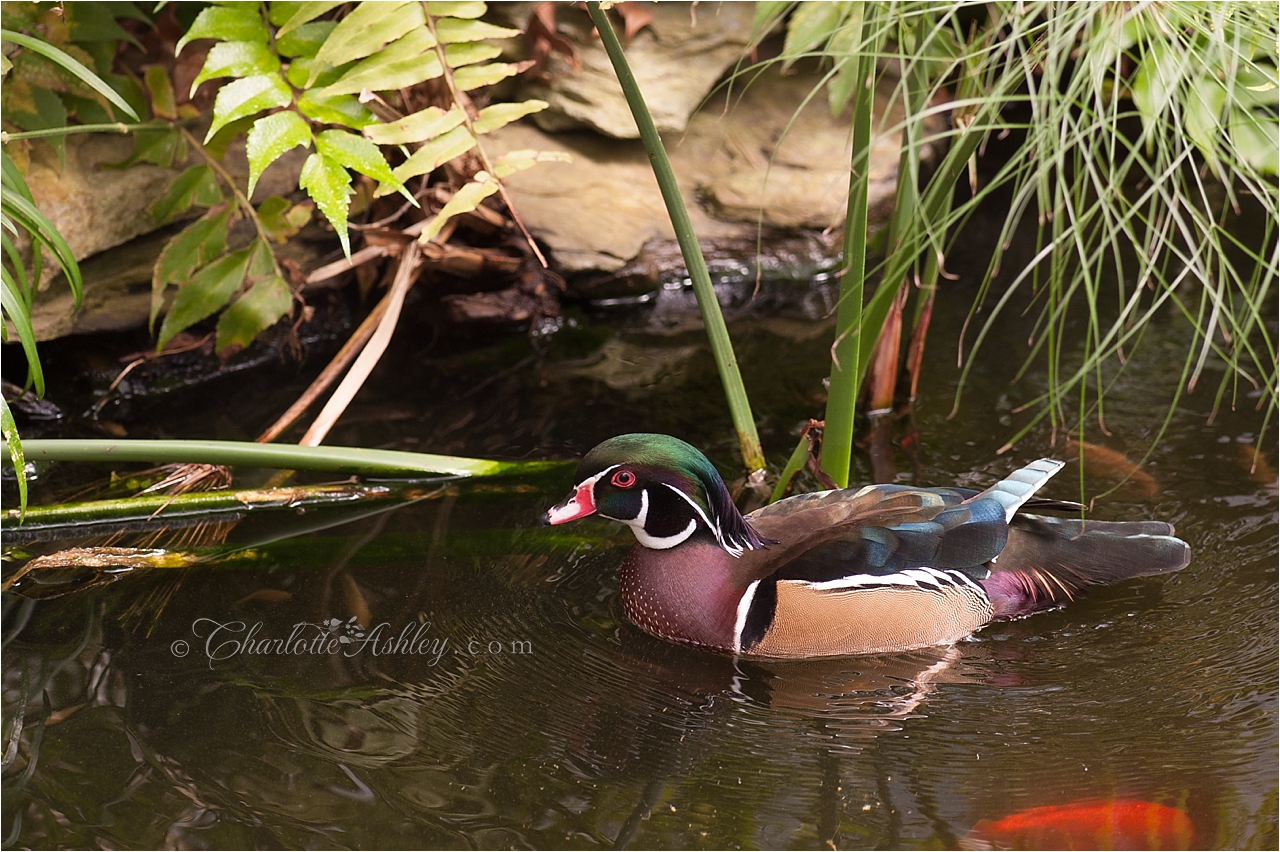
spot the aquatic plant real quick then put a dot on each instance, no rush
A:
(299, 75)
(1144, 134)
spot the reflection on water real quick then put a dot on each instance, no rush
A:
(489, 693)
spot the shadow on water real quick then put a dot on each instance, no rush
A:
(448, 674)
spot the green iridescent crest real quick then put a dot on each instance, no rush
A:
(683, 466)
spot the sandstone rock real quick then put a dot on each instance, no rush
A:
(676, 59)
(117, 291)
(94, 208)
(739, 167)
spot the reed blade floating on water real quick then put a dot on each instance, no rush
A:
(349, 460)
(127, 513)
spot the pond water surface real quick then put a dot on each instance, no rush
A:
(522, 710)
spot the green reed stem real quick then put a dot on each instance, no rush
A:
(794, 465)
(107, 127)
(721, 346)
(847, 357)
(172, 508)
(350, 460)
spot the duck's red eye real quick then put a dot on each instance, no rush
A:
(623, 479)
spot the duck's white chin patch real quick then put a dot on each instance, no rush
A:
(654, 542)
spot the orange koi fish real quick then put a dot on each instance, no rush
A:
(1117, 824)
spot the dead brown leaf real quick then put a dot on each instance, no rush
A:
(635, 17)
(541, 39)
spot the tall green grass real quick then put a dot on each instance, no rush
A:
(1142, 134)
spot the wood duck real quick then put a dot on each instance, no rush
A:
(884, 568)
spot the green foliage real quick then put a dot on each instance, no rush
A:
(17, 458)
(266, 300)
(270, 137)
(294, 88)
(19, 213)
(1217, 72)
(328, 184)
(207, 291)
(56, 74)
(41, 80)
(1129, 216)
(160, 146)
(280, 219)
(201, 242)
(848, 355)
(339, 109)
(444, 136)
(298, 89)
(483, 185)
(238, 22)
(70, 65)
(359, 154)
(66, 52)
(196, 186)
(366, 31)
(236, 59)
(348, 460)
(248, 96)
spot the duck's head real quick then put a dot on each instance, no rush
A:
(663, 488)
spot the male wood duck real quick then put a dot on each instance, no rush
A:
(880, 569)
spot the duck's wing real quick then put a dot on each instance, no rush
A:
(886, 529)
(885, 568)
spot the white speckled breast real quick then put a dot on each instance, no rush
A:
(688, 598)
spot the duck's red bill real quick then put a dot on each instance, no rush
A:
(579, 505)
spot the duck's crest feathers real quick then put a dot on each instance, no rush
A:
(694, 478)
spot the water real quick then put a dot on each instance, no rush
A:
(521, 710)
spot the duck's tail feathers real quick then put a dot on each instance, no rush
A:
(1049, 562)
(1021, 485)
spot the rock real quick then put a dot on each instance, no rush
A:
(95, 208)
(599, 211)
(117, 291)
(738, 168)
(676, 58)
(780, 254)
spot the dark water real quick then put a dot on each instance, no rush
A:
(523, 711)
